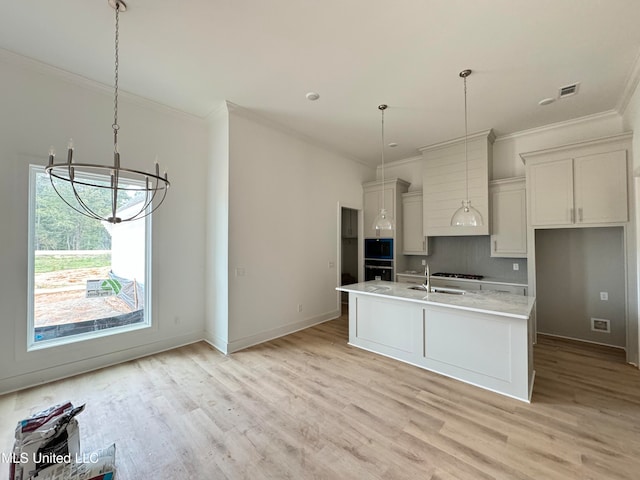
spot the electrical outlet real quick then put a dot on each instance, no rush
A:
(331, 264)
(424, 263)
(240, 272)
(299, 307)
(604, 296)
(516, 266)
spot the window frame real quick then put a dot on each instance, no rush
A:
(32, 344)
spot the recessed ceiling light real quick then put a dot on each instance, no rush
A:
(393, 144)
(546, 101)
(313, 96)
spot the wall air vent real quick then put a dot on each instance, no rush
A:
(600, 325)
(569, 90)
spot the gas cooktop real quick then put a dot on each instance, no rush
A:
(466, 276)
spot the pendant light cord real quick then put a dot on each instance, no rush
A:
(466, 134)
(115, 125)
(382, 108)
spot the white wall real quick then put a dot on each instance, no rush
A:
(43, 107)
(283, 229)
(217, 231)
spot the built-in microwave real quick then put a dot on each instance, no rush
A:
(378, 248)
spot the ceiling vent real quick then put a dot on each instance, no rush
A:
(569, 90)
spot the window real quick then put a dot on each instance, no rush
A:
(86, 278)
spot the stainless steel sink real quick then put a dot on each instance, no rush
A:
(450, 291)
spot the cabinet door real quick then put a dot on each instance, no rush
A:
(551, 188)
(497, 287)
(349, 223)
(601, 187)
(509, 223)
(372, 206)
(414, 242)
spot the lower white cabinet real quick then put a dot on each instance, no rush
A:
(453, 283)
(499, 287)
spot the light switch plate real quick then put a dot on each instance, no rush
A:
(604, 296)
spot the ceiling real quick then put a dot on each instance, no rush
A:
(266, 55)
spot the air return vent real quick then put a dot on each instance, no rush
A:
(569, 90)
(600, 325)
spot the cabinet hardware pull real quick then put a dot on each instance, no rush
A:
(580, 214)
(495, 245)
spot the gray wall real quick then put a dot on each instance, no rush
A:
(470, 255)
(572, 267)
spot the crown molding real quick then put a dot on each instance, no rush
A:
(485, 134)
(42, 68)
(620, 137)
(402, 161)
(630, 86)
(553, 126)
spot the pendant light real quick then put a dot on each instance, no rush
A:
(383, 220)
(466, 215)
(123, 183)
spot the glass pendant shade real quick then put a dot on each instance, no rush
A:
(466, 216)
(383, 221)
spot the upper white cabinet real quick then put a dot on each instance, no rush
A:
(444, 174)
(414, 241)
(349, 223)
(582, 184)
(393, 189)
(508, 218)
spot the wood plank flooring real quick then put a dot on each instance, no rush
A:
(309, 406)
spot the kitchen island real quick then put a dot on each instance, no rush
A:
(484, 338)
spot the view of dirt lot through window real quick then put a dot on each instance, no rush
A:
(60, 289)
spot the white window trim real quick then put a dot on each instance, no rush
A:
(32, 345)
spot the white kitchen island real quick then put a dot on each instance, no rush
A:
(484, 338)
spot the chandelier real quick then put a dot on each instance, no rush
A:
(145, 190)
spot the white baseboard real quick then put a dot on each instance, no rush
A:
(51, 374)
(246, 342)
(216, 342)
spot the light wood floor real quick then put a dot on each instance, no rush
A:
(309, 406)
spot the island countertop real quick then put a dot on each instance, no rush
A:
(484, 301)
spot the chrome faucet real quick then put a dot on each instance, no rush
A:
(427, 280)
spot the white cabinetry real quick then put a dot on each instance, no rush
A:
(446, 282)
(444, 183)
(508, 218)
(393, 189)
(414, 241)
(583, 184)
(349, 223)
(501, 287)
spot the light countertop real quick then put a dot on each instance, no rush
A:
(483, 301)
